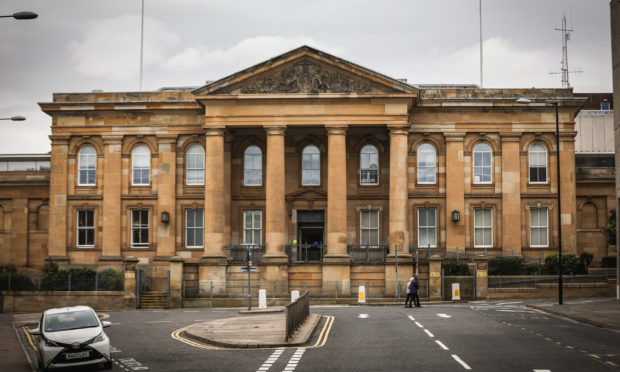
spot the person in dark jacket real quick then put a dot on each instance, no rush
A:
(414, 291)
(409, 300)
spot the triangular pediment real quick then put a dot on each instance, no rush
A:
(313, 193)
(306, 71)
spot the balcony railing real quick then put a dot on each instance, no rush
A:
(364, 253)
(239, 253)
(305, 253)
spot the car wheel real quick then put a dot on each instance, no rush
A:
(107, 365)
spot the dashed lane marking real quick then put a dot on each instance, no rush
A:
(419, 325)
(412, 318)
(461, 362)
(270, 361)
(429, 333)
(442, 345)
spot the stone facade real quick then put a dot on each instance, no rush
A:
(307, 148)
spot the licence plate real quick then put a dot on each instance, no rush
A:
(83, 354)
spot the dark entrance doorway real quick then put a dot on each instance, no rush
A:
(310, 233)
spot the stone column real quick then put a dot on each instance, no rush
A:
(111, 239)
(511, 194)
(57, 236)
(166, 197)
(275, 260)
(213, 263)
(434, 280)
(336, 263)
(455, 190)
(176, 282)
(568, 191)
(482, 277)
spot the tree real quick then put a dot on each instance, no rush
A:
(610, 229)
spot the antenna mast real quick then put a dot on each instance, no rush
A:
(564, 70)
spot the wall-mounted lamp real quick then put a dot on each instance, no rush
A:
(456, 216)
(165, 217)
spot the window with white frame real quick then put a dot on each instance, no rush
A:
(194, 228)
(87, 166)
(141, 165)
(483, 227)
(427, 227)
(252, 227)
(538, 163)
(140, 228)
(427, 164)
(539, 227)
(195, 168)
(369, 165)
(85, 228)
(482, 163)
(369, 227)
(253, 166)
(311, 166)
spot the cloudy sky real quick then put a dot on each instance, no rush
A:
(78, 45)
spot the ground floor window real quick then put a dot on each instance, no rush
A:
(483, 227)
(539, 227)
(140, 228)
(85, 228)
(369, 227)
(194, 228)
(252, 227)
(427, 227)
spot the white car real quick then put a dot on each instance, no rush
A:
(72, 336)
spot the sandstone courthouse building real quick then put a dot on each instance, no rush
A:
(325, 167)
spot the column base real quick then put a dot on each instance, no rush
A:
(336, 280)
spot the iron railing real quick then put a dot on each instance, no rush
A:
(532, 281)
(367, 253)
(105, 280)
(240, 253)
(305, 253)
(296, 313)
(421, 254)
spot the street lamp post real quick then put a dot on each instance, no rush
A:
(21, 15)
(14, 118)
(557, 145)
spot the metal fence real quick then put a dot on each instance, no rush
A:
(305, 253)
(105, 280)
(372, 254)
(422, 254)
(532, 281)
(241, 253)
(296, 313)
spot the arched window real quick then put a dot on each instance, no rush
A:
(141, 165)
(87, 165)
(538, 163)
(253, 166)
(427, 163)
(311, 166)
(369, 165)
(482, 163)
(195, 166)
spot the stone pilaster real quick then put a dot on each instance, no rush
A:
(511, 194)
(166, 197)
(275, 203)
(111, 239)
(455, 191)
(57, 236)
(568, 192)
(399, 231)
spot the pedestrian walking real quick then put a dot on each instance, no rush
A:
(414, 291)
(410, 287)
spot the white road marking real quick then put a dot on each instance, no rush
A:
(542, 370)
(159, 321)
(292, 363)
(456, 357)
(428, 333)
(419, 325)
(508, 303)
(131, 363)
(442, 345)
(516, 311)
(114, 350)
(191, 311)
(412, 318)
(269, 362)
(444, 315)
(363, 316)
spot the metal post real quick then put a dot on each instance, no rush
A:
(183, 288)
(9, 281)
(97, 281)
(336, 289)
(397, 283)
(274, 289)
(474, 283)
(557, 158)
(39, 282)
(69, 284)
(168, 291)
(367, 289)
(442, 286)
(212, 289)
(457, 254)
(416, 262)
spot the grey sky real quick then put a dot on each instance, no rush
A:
(78, 45)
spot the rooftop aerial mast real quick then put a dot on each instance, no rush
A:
(564, 70)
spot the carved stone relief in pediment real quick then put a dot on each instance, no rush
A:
(306, 77)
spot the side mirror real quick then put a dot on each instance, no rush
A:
(35, 332)
(105, 324)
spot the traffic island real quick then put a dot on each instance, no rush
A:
(256, 331)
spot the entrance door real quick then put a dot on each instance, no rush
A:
(310, 233)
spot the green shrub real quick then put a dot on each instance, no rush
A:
(608, 261)
(533, 269)
(570, 265)
(505, 266)
(8, 269)
(16, 282)
(455, 268)
(609, 230)
(110, 280)
(586, 258)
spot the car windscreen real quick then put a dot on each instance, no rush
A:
(70, 320)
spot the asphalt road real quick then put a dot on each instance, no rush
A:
(453, 337)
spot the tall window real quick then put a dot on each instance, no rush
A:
(85, 228)
(140, 228)
(194, 228)
(369, 165)
(252, 227)
(427, 163)
(141, 165)
(195, 172)
(539, 227)
(369, 227)
(538, 163)
(482, 163)
(253, 166)
(87, 165)
(311, 166)
(483, 227)
(427, 227)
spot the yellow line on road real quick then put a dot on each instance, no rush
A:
(29, 337)
(103, 315)
(611, 363)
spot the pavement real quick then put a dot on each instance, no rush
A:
(266, 328)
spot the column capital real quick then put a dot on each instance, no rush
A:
(59, 139)
(275, 130)
(112, 139)
(336, 130)
(215, 131)
(398, 129)
(454, 137)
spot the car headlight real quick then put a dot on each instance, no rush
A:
(51, 343)
(99, 338)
